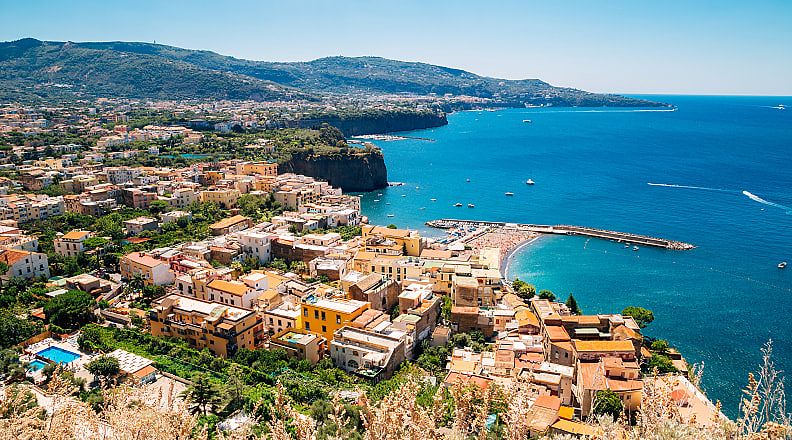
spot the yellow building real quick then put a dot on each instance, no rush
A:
(325, 316)
(226, 198)
(410, 241)
(260, 168)
(223, 329)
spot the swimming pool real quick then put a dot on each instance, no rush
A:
(36, 365)
(59, 355)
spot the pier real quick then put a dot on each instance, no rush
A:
(621, 237)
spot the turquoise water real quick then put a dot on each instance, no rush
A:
(36, 365)
(718, 303)
(59, 355)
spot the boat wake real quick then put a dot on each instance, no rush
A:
(703, 188)
(756, 198)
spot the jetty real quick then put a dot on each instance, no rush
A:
(621, 237)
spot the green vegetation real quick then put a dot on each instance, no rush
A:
(573, 306)
(145, 70)
(105, 368)
(606, 402)
(15, 329)
(660, 363)
(660, 346)
(642, 316)
(547, 294)
(523, 290)
(71, 310)
(202, 395)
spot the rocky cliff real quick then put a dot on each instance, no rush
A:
(351, 171)
(376, 122)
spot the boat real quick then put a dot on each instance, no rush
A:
(527, 121)
(529, 182)
(376, 200)
(782, 264)
(457, 205)
(509, 193)
(390, 215)
(379, 194)
(626, 246)
(467, 180)
(404, 195)
(434, 200)
(470, 205)
(635, 248)
(422, 208)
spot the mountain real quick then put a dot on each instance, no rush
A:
(144, 70)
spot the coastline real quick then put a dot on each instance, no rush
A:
(505, 263)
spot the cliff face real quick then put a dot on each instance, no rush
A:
(358, 172)
(379, 123)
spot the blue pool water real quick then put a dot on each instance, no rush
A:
(718, 303)
(59, 355)
(36, 365)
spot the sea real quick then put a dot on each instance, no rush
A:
(714, 171)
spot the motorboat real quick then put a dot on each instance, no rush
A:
(457, 205)
(390, 215)
(635, 248)
(434, 200)
(529, 182)
(509, 193)
(470, 205)
(782, 264)
(527, 121)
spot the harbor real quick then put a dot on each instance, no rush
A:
(620, 237)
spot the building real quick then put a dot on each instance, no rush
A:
(220, 328)
(231, 224)
(137, 225)
(71, 243)
(257, 244)
(285, 315)
(410, 242)
(235, 293)
(24, 264)
(226, 198)
(257, 168)
(370, 355)
(154, 271)
(325, 316)
(300, 345)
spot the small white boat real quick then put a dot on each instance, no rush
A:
(470, 205)
(404, 195)
(376, 200)
(379, 194)
(782, 264)
(529, 182)
(527, 121)
(422, 208)
(434, 200)
(457, 205)
(635, 248)
(509, 193)
(390, 215)
(467, 180)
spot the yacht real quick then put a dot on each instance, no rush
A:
(457, 205)
(635, 248)
(376, 200)
(434, 200)
(529, 182)
(470, 205)
(404, 195)
(509, 193)
(527, 121)
(782, 264)
(390, 215)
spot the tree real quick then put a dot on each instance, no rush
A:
(547, 294)
(572, 304)
(523, 290)
(660, 346)
(661, 363)
(392, 226)
(202, 395)
(642, 316)
(235, 388)
(14, 329)
(608, 402)
(158, 206)
(70, 310)
(104, 367)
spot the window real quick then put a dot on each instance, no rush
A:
(307, 325)
(323, 316)
(305, 311)
(316, 314)
(324, 329)
(338, 319)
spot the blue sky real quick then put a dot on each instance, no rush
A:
(633, 46)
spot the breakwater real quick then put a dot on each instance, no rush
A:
(621, 237)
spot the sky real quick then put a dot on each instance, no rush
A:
(631, 46)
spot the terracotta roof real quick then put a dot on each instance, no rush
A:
(145, 371)
(234, 288)
(230, 221)
(557, 333)
(461, 378)
(75, 235)
(12, 256)
(603, 346)
(143, 259)
(575, 428)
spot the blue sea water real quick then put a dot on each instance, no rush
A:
(718, 303)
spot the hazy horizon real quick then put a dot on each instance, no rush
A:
(619, 47)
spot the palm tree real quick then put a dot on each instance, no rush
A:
(202, 395)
